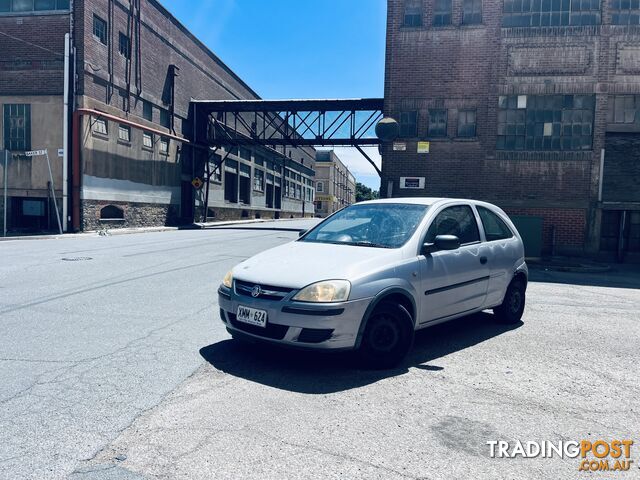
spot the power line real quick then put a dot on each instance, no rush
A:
(32, 44)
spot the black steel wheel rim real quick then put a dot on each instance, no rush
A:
(385, 334)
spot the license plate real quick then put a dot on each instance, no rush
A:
(252, 316)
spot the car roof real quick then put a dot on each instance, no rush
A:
(419, 200)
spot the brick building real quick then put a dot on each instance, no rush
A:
(335, 184)
(134, 74)
(531, 104)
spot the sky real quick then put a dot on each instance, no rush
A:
(298, 49)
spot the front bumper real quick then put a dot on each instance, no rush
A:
(326, 326)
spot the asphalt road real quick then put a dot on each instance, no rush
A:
(96, 330)
(117, 368)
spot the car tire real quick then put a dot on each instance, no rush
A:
(387, 337)
(512, 307)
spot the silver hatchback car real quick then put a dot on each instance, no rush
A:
(372, 274)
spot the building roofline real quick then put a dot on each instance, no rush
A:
(207, 50)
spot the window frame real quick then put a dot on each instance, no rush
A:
(99, 21)
(124, 45)
(402, 124)
(439, 212)
(441, 14)
(8, 139)
(164, 141)
(473, 20)
(124, 128)
(103, 121)
(466, 112)
(430, 132)
(414, 10)
(500, 221)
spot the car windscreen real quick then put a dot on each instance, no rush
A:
(380, 225)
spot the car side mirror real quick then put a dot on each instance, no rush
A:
(442, 242)
(302, 232)
(447, 242)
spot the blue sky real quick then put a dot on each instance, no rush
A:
(297, 49)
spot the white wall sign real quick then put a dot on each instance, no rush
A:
(35, 153)
(412, 183)
(399, 146)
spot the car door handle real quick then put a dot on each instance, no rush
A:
(483, 260)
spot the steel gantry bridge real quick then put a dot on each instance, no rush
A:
(276, 125)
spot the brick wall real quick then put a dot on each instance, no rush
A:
(567, 225)
(32, 54)
(622, 168)
(461, 66)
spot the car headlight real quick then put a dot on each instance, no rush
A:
(325, 291)
(227, 281)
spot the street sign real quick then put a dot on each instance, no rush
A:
(412, 183)
(61, 152)
(423, 147)
(35, 153)
(197, 183)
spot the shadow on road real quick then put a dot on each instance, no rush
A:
(620, 276)
(322, 373)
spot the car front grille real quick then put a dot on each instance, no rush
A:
(267, 292)
(272, 331)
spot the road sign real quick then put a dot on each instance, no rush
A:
(197, 183)
(35, 153)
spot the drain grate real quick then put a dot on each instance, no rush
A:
(76, 259)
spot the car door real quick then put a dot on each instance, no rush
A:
(453, 281)
(503, 252)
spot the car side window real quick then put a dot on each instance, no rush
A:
(494, 227)
(458, 221)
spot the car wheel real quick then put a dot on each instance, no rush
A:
(388, 336)
(512, 307)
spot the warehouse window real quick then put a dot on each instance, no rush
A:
(33, 5)
(17, 127)
(164, 145)
(245, 153)
(100, 126)
(409, 124)
(625, 12)
(164, 118)
(442, 13)
(100, 29)
(624, 109)
(542, 13)
(545, 122)
(245, 184)
(147, 140)
(471, 12)
(258, 180)
(412, 13)
(437, 122)
(320, 187)
(467, 123)
(147, 110)
(124, 133)
(231, 181)
(124, 45)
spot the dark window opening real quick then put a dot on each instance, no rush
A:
(442, 13)
(111, 212)
(124, 45)
(231, 181)
(409, 124)
(164, 118)
(147, 110)
(545, 122)
(100, 29)
(437, 122)
(412, 13)
(245, 184)
(467, 123)
(471, 12)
